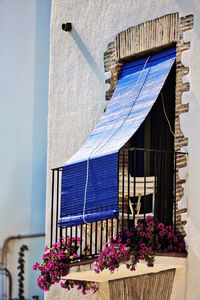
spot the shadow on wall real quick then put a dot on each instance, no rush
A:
(90, 59)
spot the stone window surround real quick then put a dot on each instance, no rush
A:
(152, 36)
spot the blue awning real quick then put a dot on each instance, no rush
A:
(90, 177)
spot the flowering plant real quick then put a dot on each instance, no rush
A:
(139, 243)
(56, 263)
(83, 286)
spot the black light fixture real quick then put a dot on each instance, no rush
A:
(67, 26)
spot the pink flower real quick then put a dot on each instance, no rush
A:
(161, 226)
(96, 270)
(175, 239)
(106, 250)
(161, 233)
(95, 263)
(149, 219)
(47, 267)
(150, 265)
(158, 245)
(139, 225)
(151, 224)
(169, 235)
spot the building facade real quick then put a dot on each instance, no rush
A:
(24, 61)
(85, 65)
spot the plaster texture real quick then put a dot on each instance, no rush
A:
(77, 95)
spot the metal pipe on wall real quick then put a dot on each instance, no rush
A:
(3, 262)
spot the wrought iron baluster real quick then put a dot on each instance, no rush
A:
(86, 240)
(81, 242)
(134, 184)
(123, 162)
(52, 200)
(145, 182)
(96, 228)
(128, 223)
(57, 203)
(91, 225)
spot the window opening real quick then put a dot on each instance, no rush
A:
(154, 133)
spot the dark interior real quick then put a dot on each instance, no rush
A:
(155, 134)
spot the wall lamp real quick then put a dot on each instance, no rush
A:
(67, 26)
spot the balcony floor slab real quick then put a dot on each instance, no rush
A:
(162, 263)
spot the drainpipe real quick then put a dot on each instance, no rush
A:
(5, 247)
(14, 237)
(8, 274)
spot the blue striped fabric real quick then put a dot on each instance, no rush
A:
(138, 87)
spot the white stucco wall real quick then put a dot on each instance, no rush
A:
(76, 93)
(24, 65)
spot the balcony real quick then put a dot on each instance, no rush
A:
(147, 187)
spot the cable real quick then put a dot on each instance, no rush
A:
(132, 104)
(87, 170)
(170, 128)
(85, 194)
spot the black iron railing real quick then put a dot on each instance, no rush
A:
(147, 187)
